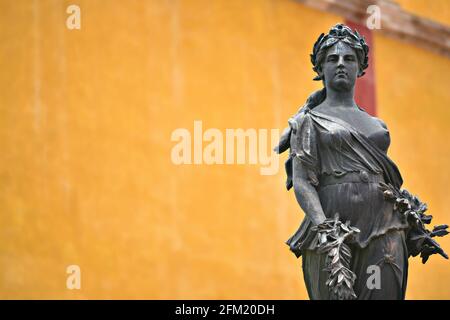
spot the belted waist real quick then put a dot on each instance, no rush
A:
(357, 177)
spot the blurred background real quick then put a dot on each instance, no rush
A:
(86, 117)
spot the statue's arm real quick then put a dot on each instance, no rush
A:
(306, 194)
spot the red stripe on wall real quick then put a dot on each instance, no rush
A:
(365, 94)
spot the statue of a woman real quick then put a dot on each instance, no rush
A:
(360, 228)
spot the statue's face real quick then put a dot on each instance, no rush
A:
(340, 67)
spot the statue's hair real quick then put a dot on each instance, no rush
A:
(342, 33)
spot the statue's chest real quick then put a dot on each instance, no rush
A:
(362, 122)
(338, 136)
(359, 120)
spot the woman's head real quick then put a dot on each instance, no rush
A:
(340, 57)
(339, 68)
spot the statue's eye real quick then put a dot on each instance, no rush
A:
(350, 58)
(332, 58)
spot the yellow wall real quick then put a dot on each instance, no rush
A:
(414, 101)
(86, 118)
(437, 10)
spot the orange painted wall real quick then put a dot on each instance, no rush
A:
(86, 176)
(414, 101)
(437, 10)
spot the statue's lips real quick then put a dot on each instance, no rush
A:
(341, 74)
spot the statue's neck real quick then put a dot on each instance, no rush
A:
(340, 98)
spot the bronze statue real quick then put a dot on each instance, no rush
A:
(357, 217)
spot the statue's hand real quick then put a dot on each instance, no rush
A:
(413, 210)
(332, 235)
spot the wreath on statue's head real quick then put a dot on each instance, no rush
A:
(341, 32)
